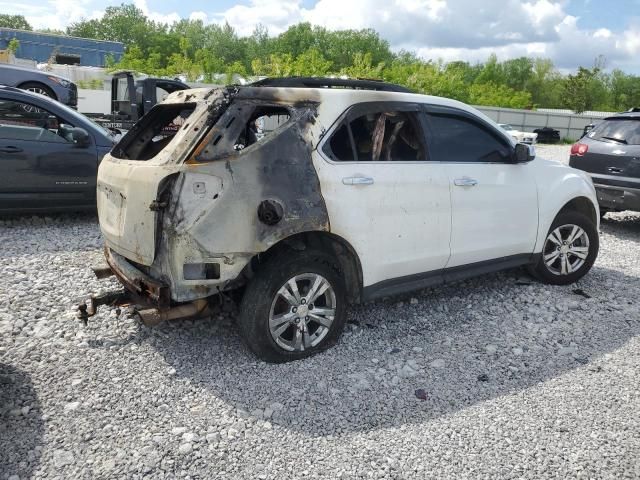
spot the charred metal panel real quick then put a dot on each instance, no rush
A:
(215, 210)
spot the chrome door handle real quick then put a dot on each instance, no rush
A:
(357, 181)
(465, 182)
(614, 170)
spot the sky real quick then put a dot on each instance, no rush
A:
(570, 32)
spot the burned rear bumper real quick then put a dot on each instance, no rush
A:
(137, 282)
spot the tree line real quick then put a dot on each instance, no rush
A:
(203, 52)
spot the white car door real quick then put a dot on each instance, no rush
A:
(494, 201)
(384, 196)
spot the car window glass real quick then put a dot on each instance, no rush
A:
(122, 89)
(340, 145)
(459, 139)
(625, 131)
(23, 121)
(381, 136)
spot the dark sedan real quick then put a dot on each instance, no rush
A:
(611, 154)
(44, 83)
(49, 154)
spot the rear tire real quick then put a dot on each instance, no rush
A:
(281, 319)
(569, 251)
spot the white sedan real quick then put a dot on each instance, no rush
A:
(518, 136)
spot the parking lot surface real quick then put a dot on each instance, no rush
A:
(495, 377)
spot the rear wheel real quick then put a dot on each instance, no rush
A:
(294, 307)
(569, 250)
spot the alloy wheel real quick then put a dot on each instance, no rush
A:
(566, 249)
(302, 312)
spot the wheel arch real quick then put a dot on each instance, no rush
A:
(54, 96)
(330, 243)
(582, 205)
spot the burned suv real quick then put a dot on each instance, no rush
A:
(305, 196)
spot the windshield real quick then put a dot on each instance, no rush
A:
(617, 130)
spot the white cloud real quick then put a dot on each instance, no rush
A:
(168, 18)
(274, 14)
(456, 29)
(199, 15)
(54, 14)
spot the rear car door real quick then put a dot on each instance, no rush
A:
(494, 202)
(40, 165)
(384, 194)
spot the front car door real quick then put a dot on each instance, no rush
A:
(40, 165)
(494, 201)
(384, 194)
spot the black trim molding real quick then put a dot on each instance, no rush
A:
(396, 286)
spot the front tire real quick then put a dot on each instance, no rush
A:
(294, 307)
(40, 88)
(569, 251)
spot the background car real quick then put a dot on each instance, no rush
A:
(518, 136)
(44, 83)
(610, 152)
(49, 154)
(547, 135)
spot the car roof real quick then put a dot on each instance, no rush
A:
(332, 101)
(622, 115)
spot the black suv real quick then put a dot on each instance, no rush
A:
(49, 154)
(610, 153)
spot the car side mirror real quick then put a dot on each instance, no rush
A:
(524, 153)
(80, 137)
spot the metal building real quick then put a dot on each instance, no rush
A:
(45, 47)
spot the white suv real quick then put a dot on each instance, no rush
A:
(308, 195)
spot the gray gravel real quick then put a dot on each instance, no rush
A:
(496, 377)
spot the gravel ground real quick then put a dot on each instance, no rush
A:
(496, 377)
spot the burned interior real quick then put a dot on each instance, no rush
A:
(373, 134)
(154, 132)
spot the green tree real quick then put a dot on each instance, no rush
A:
(311, 64)
(278, 65)
(363, 67)
(126, 24)
(517, 72)
(13, 46)
(492, 94)
(259, 45)
(14, 21)
(577, 89)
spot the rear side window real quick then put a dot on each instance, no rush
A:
(243, 125)
(617, 130)
(460, 139)
(260, 124)
(154, 132)
(378, 137)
